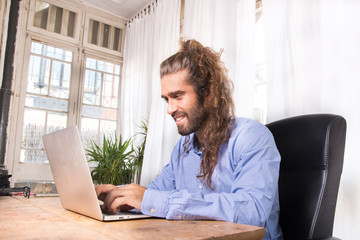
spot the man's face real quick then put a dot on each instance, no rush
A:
(183, 105)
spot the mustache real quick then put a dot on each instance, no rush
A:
(179, 113)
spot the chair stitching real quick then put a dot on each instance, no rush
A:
(326, 155)
(318, 205)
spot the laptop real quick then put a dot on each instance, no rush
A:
(72, 176)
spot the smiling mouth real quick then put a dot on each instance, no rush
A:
(179, 118)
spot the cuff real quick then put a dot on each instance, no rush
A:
(155, 203)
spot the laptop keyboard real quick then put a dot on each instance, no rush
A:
(130, 212)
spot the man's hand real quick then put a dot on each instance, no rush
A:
(120, 198)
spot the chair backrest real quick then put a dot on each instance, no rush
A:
(312, 152)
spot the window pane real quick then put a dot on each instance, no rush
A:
(95, 64)
(110, 91)
(89, 131)
(54, 19)
(56, 121)
(46, 103)
(92, 87)
(102, 66)
(117, 69)
(38, 78)
(58, 19)
(33, 156)
(105, 35)
(51, 52)
(55, 53)
(117, 39)
(71, 24)
(108, 129)
(60, 80)
(101, 86)
(34, 125)
(93, 32)
(41, 14)
(94, 130)
(99, 112)
(37, 48)
(109, 67)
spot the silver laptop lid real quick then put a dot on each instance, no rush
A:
(71, 172)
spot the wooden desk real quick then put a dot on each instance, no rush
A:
(44, 218)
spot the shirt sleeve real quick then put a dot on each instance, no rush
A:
(253, 190)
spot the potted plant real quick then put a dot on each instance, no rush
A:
(114, 161)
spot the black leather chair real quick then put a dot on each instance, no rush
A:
(312, 152)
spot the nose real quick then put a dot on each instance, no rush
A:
(171, 108)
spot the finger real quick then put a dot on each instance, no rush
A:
(110, 198)
(103, 190)
(125, 207)
(134, 194)
(117, 205)
(100, 192)
(120, 204)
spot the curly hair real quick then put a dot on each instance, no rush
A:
(208, 76)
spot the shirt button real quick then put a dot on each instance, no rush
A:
(152, 210)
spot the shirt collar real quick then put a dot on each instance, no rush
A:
(192, 145)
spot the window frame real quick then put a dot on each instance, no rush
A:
(110, 22)
(68, 6)
(27, 33)
(82, 82)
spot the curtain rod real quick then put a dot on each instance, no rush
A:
(147, 10)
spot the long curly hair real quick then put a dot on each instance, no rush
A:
(208, 76)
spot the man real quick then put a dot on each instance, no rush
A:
(222, 168)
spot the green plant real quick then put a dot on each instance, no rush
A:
(115, 163)
(138, 155)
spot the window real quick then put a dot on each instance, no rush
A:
(53, 18)
(100, 100)
(104, 35)
(46, 101)
(63, 81)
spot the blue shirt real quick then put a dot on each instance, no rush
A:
(245, 182)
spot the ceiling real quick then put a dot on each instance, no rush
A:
(121, 8)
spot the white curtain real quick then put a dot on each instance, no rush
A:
(162, 133)
(230, 27)
(137, 73)
(313, 67)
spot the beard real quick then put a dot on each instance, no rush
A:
(196, 117)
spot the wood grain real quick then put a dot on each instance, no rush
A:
(44, 218)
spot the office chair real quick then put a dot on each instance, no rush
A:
(312, 152)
